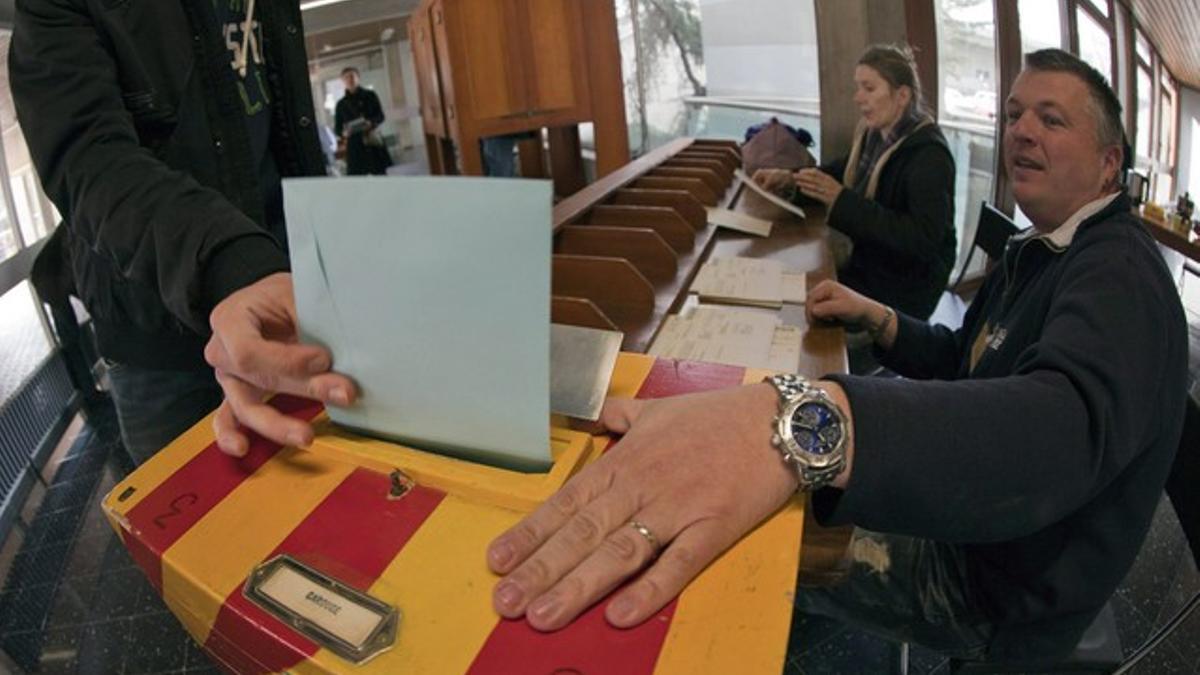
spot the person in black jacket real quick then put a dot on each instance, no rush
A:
(356, 119)
(161, 129)
(1006, 487)
(893, 196)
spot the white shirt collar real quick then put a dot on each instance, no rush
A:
(1062, 236)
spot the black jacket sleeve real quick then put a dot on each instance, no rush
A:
(925, 351)
(928, 183)
(157, 226)
(374, 108)
(987, 460)
(340, 113)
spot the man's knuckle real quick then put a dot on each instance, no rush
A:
(621, 547)
(679, 558)
(535, 571)
(526, 535)
(584, 528)
(649, 588)
(566, 502)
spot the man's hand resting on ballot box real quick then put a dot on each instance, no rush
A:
(256, 351)
(690, 477)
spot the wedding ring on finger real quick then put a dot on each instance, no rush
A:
(646, 534)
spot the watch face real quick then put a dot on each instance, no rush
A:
(816, 428)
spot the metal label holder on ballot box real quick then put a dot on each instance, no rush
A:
(353, 551)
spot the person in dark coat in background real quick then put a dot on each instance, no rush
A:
(356, 120)
(893, 196)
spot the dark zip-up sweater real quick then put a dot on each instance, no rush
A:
(1046, 461)
(137, 130)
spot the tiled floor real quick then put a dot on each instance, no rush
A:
(72, 601)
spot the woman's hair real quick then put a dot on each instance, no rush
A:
(898, 67)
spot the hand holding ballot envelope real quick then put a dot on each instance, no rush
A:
(254, 350)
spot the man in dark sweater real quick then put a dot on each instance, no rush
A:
(160, 130)
(1015, 473)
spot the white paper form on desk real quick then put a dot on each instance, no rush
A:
(739, 222)
(739, 337)
(433, 293)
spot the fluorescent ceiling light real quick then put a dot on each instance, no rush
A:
(313, 4)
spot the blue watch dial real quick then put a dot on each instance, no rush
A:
(816, 428)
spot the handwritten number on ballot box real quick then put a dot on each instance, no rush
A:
(177, 506)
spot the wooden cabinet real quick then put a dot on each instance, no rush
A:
(493, 67)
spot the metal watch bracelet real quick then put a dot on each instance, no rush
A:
(789, 386)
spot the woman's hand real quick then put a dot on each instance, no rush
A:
(818, 185)
(775, 181)
(695, 472)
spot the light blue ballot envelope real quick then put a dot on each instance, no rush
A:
(433, 294)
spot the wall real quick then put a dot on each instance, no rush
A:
(844, 29)
(1188, 162)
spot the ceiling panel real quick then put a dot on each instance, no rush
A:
(351, 12)
(1173, 27)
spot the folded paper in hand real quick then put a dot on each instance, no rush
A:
(768, 195)
(433, 294)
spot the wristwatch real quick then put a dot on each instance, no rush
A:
(810, 431)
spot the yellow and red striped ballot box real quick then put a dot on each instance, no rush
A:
(201, 525)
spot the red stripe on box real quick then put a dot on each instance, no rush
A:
(670, 378)
(180, 501)
(352, 536)
(589, 644)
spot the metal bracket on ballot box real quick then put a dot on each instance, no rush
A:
(342, 619)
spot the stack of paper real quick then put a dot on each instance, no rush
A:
(738, 337)
(748, 281)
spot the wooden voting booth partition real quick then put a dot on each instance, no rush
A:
(495, 67)
(627, 247)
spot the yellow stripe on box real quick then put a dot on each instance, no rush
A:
(214, 557)
(709, 633)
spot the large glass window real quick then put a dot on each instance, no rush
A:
(1100, 6)
(1145, 94)
(1041, 25)
(966, 43)
(1095, 45)
(1164, 178)
(1142, 47)
(713, 68)
(35, 217)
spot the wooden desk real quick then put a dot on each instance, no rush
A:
(801, 246)
(1189, 246)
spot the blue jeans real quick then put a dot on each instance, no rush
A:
(156, 406)
(907, 590)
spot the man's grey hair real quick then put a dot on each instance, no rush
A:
(1104, 104)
